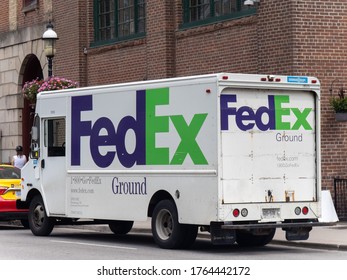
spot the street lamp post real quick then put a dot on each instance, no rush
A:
(49, 38)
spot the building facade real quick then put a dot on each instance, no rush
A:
(112, 41)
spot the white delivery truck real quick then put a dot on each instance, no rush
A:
(236, 155)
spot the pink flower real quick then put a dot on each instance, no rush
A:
(32, 88)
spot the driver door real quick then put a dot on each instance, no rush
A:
(53, 165)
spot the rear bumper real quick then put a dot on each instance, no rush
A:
(10, 211)
(298, 230)
(8, 216)
(277, 225)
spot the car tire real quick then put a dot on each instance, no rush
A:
(40, 224)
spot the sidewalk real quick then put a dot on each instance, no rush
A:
(325, 237)
(331, 237)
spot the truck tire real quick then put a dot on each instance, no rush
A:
(167, 232)
(247, 239)
(40, 224)
(121, 227)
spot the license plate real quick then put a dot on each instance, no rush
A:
(271, 213)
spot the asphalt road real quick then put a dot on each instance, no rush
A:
(78, 244)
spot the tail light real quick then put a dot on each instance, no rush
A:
(303, 211)
(2, 190)
(236, 212)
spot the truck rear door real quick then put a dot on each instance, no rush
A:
(268, 145)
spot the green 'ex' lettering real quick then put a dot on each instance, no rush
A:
(188, 143)
(301, 118)
(280, 112)
(156, 124)
(160, 124)
(280, 125)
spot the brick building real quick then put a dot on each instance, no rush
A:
(109, 41)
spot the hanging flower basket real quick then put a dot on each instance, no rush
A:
(341, 117)
(339, 105)
(32, 88)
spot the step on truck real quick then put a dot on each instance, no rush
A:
(236, 155)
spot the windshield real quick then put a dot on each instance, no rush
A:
(9, 172)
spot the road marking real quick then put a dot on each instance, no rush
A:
(95, 245)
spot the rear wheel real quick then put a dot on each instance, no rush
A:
(246, 238)
(167, 232)
(121, 227)
(40, 224)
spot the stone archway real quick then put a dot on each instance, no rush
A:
(30, 70)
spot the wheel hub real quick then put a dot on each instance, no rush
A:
(38, 215)
(164, 224)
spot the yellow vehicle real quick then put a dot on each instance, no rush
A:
(10, 188)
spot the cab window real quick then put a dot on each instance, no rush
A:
(55, 137)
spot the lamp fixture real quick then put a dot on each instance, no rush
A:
(49, 38)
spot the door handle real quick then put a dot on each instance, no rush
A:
(43, 163)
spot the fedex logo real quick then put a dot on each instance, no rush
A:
(270, 117)
(104, 133)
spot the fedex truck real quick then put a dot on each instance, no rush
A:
(236, 155)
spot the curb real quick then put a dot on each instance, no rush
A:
(311, 245)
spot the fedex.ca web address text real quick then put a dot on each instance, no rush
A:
(82, 190)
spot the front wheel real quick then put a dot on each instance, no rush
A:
(167, 232)
(40, 224)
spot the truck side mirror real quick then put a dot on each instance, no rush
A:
(34, 133)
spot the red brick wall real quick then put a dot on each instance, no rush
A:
(66, 21)
(4, 16)
(275, 37)
(160, 39)
(32, 17)
(23, 19)
(114, 63)
(320, 49)
(119, 63)
(223, 47)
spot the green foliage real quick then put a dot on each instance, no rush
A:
(31, 88)
(339, 103)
